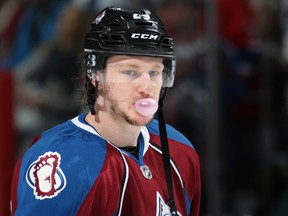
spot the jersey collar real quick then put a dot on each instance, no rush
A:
(80, 122)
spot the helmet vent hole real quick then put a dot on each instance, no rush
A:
(167, 42)
(113, 39)
(143, 23)
(117, 37)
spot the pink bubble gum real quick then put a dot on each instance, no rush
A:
(146, 106)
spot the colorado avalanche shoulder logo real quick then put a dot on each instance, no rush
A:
(45, 176)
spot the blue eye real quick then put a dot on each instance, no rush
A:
(130, 73)
(154, 73)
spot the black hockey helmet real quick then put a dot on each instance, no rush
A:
(117, 31)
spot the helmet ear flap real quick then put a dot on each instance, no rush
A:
(93, 63)
(90, 65)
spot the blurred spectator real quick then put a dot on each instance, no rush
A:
(10, 15)
(241, 103)
(46, 81)
(29, 23)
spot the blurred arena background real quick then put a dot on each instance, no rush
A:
(230, 97)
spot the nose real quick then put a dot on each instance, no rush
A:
(145, 85)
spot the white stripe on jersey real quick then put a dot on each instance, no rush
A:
(172, 163)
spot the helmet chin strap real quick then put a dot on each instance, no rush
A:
(166, 154)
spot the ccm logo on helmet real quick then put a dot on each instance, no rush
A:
(144, 36)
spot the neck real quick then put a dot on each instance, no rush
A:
(114, 132)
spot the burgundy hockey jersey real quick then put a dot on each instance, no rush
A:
(71, 170)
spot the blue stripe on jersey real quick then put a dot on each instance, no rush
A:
(188, 201)
(82, 157)
(172, 133)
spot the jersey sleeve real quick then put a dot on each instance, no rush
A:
(63, 171)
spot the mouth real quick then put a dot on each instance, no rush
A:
(146, 107)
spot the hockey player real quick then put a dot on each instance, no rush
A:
(117, 159)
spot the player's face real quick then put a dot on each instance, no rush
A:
(127, 79)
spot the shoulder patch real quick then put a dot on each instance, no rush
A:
(45, 176)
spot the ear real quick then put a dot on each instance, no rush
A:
(93, 81)
(95, 77)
